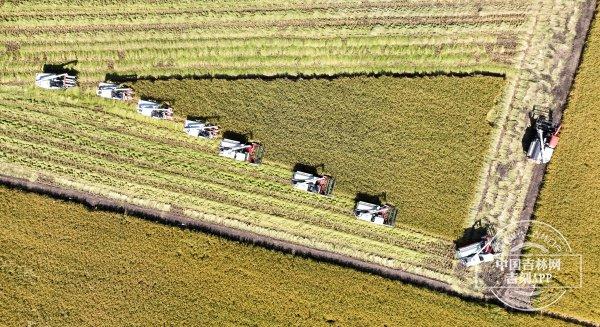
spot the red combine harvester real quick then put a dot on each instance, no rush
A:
(376, 214)
(477, 253)
(313, 183)
(546, 138)
(252, 152)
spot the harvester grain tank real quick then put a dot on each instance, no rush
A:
(154, 109)
(376, 214)
(313, 183)
(114, 91)
(55, 81)
(200, 129)
(476, 253)
(251, 152)
(546, 138)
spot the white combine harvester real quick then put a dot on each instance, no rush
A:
(154, 110)
(114, 91)
(251, 152)
(542, 146)
(376, 214)
(315, 184)
(200, 129)
(55, 81)
(476, 253)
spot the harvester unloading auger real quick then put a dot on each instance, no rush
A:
(313, 183)
(154, 109)
(251, 152)
(546, 138)
(55, 81)
(114, 91)
(200, 129)
(377, 214)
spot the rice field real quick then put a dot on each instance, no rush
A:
(259, 37)
(570, 197)
(78, 141)
(75, 141)
(63, 265)
(419, 143)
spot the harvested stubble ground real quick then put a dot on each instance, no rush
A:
(421, 141)
(62, 265)
(258, 37)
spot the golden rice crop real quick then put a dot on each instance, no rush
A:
(419, 141)
(570, 196)
(62, 265)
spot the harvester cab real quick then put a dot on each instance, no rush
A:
(55, 81)
(200, 129)
(114, 91)
(251, 152)
(476, 253)
(154, 110)
(377, 214)
(313, 183)
(543, 144)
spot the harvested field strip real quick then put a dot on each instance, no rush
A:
(354, 42)
(274, 35)
(240, 8)
(25, 24)
(443, 36)
(91, 166)
(316, 23)
(178, 53)
(544, 72)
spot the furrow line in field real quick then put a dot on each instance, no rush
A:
(116, 11)
(446, 20)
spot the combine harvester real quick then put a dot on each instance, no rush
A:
(476, 253)
(200, 129)
(114, 91)
(313, 183)
(376, 214)
(55, 81)
(154, 110)
(542, 146)
(251, 152)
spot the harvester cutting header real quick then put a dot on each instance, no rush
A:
(251, 152)
(154, 109)
(546, 138)
(55, 81)
(313, 183)
(114, 91)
